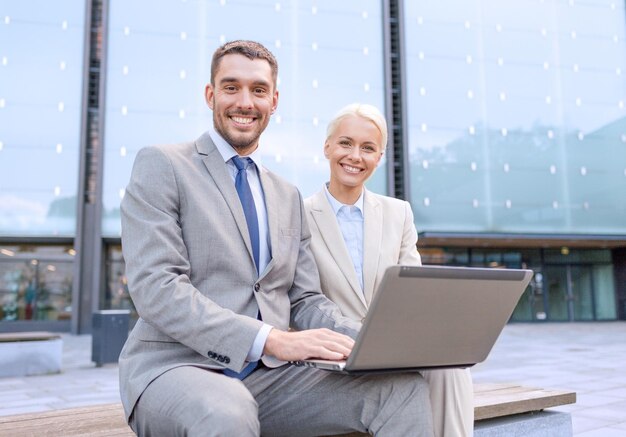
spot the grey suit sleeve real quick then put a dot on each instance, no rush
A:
(158, 267)
(309, 307)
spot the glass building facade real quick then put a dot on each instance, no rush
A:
(40, 113)
(516, 115)
(159, 63)
(512, 112)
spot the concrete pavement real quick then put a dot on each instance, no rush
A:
(589, 358)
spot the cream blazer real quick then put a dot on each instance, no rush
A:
(389, 238)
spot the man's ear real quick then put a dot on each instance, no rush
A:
(209, 92)
(275, 101)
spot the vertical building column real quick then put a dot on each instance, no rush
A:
(88, 264)
(398, 182)
(619, 269)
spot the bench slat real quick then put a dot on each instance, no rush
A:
(99, 420)
(6, 337)
(490, 400)
(496, 400)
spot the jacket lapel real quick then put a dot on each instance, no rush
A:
(214, 163)
(373, 233)
(273, 212)
(326, 222)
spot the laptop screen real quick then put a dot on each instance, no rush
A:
(431, 316)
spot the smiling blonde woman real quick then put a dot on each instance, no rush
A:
(357, 234)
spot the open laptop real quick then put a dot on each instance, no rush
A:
(432, 317)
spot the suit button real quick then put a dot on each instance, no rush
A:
(211, 354)
(226, 360)
(220, 358)
(257, 287)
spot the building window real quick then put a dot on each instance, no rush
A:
(116, 293)
(36, 282)
(330, 53)
(516, 115)
(41, 69)
(568, 285)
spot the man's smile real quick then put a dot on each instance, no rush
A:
(242, 120)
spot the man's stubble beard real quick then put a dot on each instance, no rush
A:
(234, 143)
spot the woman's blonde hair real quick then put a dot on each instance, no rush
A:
(369, 112)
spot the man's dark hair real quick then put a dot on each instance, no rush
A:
(250, 49)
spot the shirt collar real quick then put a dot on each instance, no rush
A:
(336, 205)
(227, 151)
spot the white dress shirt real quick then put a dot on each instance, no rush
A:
(350, 219)
(265, 249)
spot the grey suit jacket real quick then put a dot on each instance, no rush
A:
(389, 238)
(191, 273)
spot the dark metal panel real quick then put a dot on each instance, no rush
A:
(464, 239)
(388, 83)
(35, 325)
(402, 95)
(395, 98)
(36, 240)
(88, 243)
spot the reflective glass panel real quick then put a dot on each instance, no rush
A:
(36, 282)
(603, 286)
(41, 64)
(517, 118)
(330, 54)
(116, 292)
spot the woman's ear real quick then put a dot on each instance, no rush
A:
(326, 149)
(380, 157)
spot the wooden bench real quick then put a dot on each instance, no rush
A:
(507, 410)
(30, 353)
(491, 401)
(496, 400)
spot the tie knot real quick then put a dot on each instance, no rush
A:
(241, 163)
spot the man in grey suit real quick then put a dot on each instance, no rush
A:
(219, 268)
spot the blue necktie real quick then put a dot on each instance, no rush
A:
(247, 202)
(245, 372)
(249, 210)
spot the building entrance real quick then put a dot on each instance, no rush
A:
(568, 285)
(568, 292)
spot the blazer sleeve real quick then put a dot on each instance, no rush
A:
(408, 249)
(158, 267)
